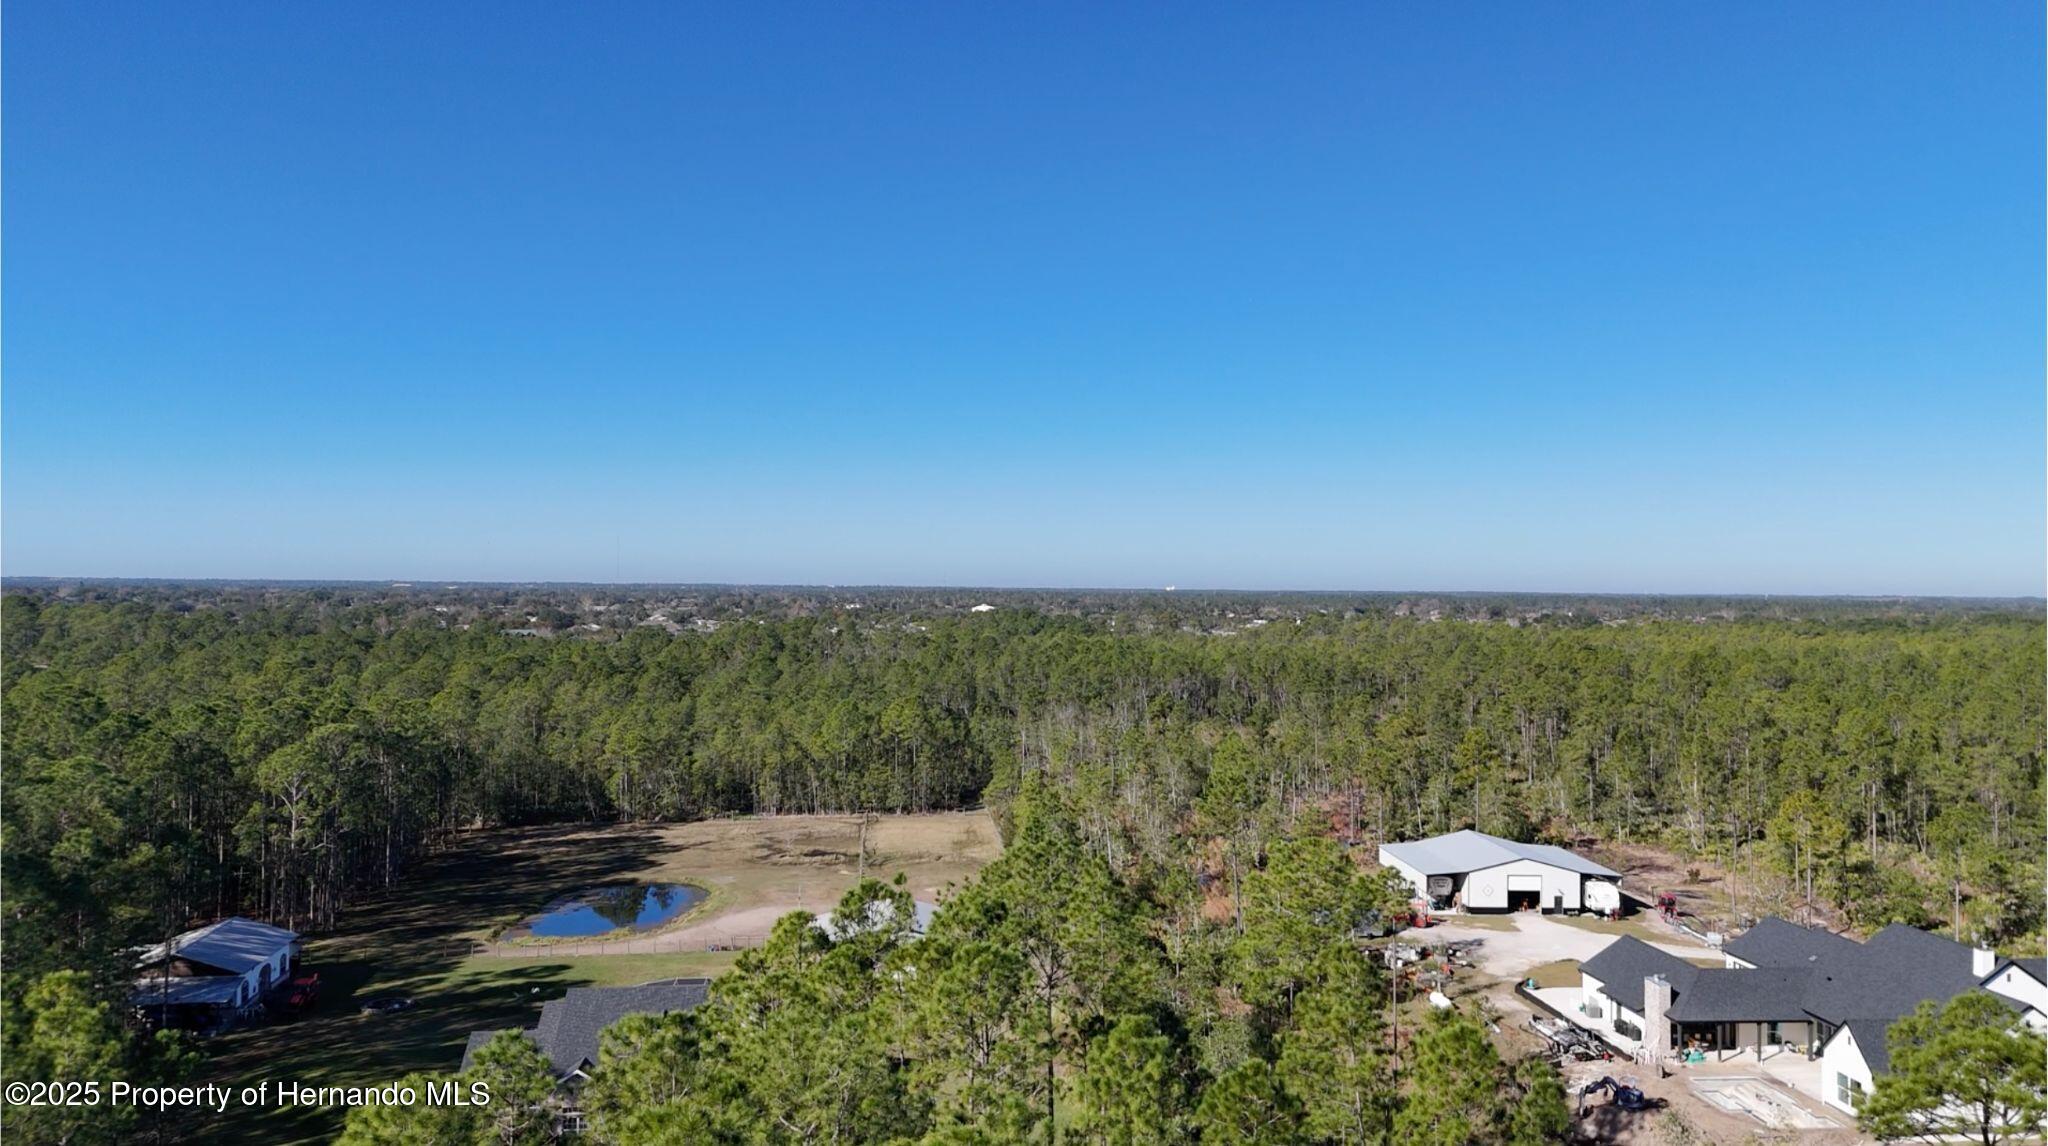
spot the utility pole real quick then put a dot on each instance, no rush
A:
(1394, 1017)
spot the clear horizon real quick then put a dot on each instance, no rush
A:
(1644, 302)
(430, 583)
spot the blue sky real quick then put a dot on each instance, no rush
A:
(1717, 298)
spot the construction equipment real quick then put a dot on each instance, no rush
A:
(1624, 1095)
(1569, 1043)
(1460, 951)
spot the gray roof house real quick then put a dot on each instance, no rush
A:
(569, 1027)
(1774, 942)
(1787, 986)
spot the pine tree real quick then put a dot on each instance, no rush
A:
(1540, 1115)
(1130, 1092)
(396, 1124)
(61, 1033)
(1454, 1086)
(1248, 1107)
(522, 1088)
(1331, 1056)
(1963, 1069)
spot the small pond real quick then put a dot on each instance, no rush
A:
(638, 906)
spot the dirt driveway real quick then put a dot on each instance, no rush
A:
(1533, 940)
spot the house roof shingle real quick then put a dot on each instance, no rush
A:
(2038, 968)
(570, 1027)
(1870, 1041)
(1775, 942)
(1802, 972)
(1728, 995)
(1622, 965)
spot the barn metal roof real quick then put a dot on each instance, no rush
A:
(1467, 850)
(235, 945)
(187, 990)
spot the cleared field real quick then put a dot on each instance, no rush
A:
(757, 870)
(418, 940)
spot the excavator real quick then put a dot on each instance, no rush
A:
(1620, 1094)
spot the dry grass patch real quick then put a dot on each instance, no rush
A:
(1563, 973)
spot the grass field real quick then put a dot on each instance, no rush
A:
(417, 940)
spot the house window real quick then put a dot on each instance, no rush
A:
(1848, 1090)
(1771, 1035)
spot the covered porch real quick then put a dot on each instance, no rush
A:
(1760, 1040)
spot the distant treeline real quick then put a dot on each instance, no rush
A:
(166, 763)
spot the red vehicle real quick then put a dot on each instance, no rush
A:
(303, 991)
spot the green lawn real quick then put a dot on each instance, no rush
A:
(414, 942)
(599, 970)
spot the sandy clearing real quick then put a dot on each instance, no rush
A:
(1534, 941)
(760, 868)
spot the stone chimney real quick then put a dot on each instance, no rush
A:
(1982, 961)
(1657, 1028)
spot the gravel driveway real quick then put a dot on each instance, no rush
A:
(1535, 940)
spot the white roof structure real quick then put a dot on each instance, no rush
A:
(1468, 850)
(236, 945)
(879, 914)
(190, 990)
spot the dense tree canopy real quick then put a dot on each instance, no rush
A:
(170, 762)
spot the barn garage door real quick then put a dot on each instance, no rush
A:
(1525, 883)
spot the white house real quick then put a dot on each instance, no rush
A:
(1849, 1064)
(208, 976)
(1473, 871)
(2024, 981)
(1787, 989)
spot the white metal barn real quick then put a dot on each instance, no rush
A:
(1473, 871)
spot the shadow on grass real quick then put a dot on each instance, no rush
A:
(410, 942)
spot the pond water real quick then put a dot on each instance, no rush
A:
(638, 906)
